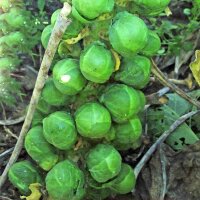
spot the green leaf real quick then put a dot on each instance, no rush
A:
(160, 119)
(178, 104)
(41, 5)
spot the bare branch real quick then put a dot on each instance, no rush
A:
(160, 76)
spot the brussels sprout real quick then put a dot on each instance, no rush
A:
(22, 174)
(122, 101)
(135, 71)
(103, 162)
(46, 33)
(92, 9)
(65, 182)
(16, 18)
(124, 182)
(59, 130)
(92, 120)
(13, 39)
(153, 44)
(67, 77)
(128, 34)
(127, 133)
(52, 95)
(9, 62)
(73, 29)
(149, 7)
(97, 63)
(39, 149)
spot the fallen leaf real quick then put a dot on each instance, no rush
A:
(183, 175)
(168, 11)
(195, 67)
(35, 192)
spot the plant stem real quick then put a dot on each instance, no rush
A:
(161, 77)
(61, 24)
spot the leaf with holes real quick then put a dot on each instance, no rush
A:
(159, 120)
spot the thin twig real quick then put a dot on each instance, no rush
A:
(8, 122)
(164, 173)
(8, 151)
(8, 131)
(160, 140)
(163, 79)
(61, 24)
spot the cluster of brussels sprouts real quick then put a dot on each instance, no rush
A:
(88, 110)
(16, 29)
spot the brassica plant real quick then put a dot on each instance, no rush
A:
(59, 130)
(97, 63)
(92, 120)
(128, 34)
(122, 101)
(103, 162)
(39, 149)
(65, 181)
(89, 111)
(22, 174)
(67, 77)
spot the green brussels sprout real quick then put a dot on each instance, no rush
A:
(22, 174)
(59, 130)
(124, 182)
(128, 133)
(135, 71)
(91, 9)
(122, 101)
(128, 34)
(65, 181)
(153, 44)
(9, 62)
(103, 162)
(67, 77)
(73, 29)
(52, 95)
(46, 33)
(97, 63)
(39, 149)
(149, 7)
(15, 18)
(92, 120)
(13, 39)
